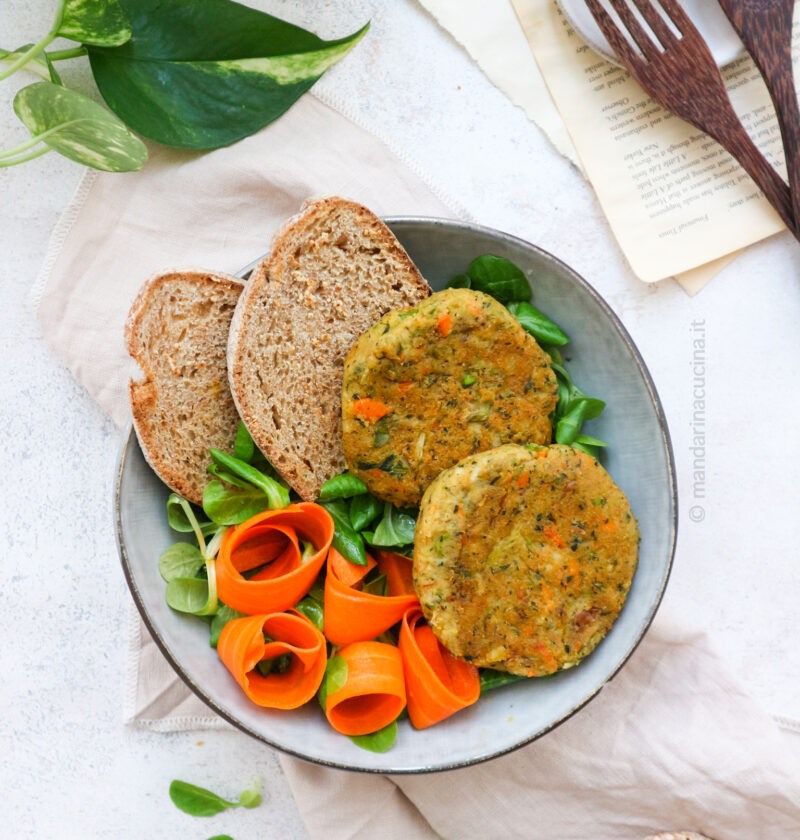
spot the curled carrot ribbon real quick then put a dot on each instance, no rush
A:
(399, 572)
(272, 540)
(242, 646)
(438, 685)
(355, 616)
(373, 694)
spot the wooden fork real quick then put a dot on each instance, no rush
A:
(765, 27)
(680, 73)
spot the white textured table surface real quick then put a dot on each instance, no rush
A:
(68, 767)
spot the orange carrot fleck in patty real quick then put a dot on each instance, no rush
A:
(552, 534)
(523, 480)
(370, 410)
(548, 602)
(610, 526)
(444, 324)
(403, 387)
(549, 661)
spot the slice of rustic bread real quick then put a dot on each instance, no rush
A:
(333, 271)
(177, 331)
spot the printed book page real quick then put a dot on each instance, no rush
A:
(674, 198)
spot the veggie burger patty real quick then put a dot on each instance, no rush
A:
(427, 386)
(523, 559)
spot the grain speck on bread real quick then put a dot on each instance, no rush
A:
(333, 271)
(177, 331)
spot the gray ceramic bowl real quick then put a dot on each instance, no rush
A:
(605, 363)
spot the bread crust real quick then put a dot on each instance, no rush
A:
(143, 393)
(304, 478)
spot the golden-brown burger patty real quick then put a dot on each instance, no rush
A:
(427, 386)
(523, 559)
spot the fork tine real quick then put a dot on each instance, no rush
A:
(678, 17)
(619, 43)
(635, 29)
(656, 22)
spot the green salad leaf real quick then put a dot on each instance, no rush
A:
(396, 528)
(491, 679)
(313, 610)
(342, 486)
(244, 448)
(232, 505)
(277, 495)
(200, 802)
(200, 74)
(379, 741)
(500, 278)
(364, 509)
(346, 540)
(197, 596)
(180, 560)
(537, 324)
(221, 617)
(334, 679)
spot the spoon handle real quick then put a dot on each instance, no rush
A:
(765, 27)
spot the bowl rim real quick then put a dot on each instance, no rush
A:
(666, 441)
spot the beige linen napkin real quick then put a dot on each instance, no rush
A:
(672, 743)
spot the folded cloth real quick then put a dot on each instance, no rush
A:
(673, 743)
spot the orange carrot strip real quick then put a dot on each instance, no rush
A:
(404, 387)
(373, 694)
(438, 685)
(241, 647)
(287, 561)
(349, 573)
(370, 410)
(354, 616)
(273, 591)
(398, 570)
(444, 323)
(262, 545)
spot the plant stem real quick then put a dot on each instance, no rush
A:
(61, 55)
(36, 66)
(22, 158)
(21, 147)
(29, 54)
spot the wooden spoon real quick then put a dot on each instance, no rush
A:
(765, 27)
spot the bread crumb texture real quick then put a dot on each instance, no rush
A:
(178, 332)
(333, 272)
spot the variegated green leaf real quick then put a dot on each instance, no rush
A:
(201, 74)
(78, 128)
(99, 22)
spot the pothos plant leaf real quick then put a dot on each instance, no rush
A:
(200, 74)
(81, 130)
(99, 22)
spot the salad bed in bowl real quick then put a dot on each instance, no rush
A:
(368, 565)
